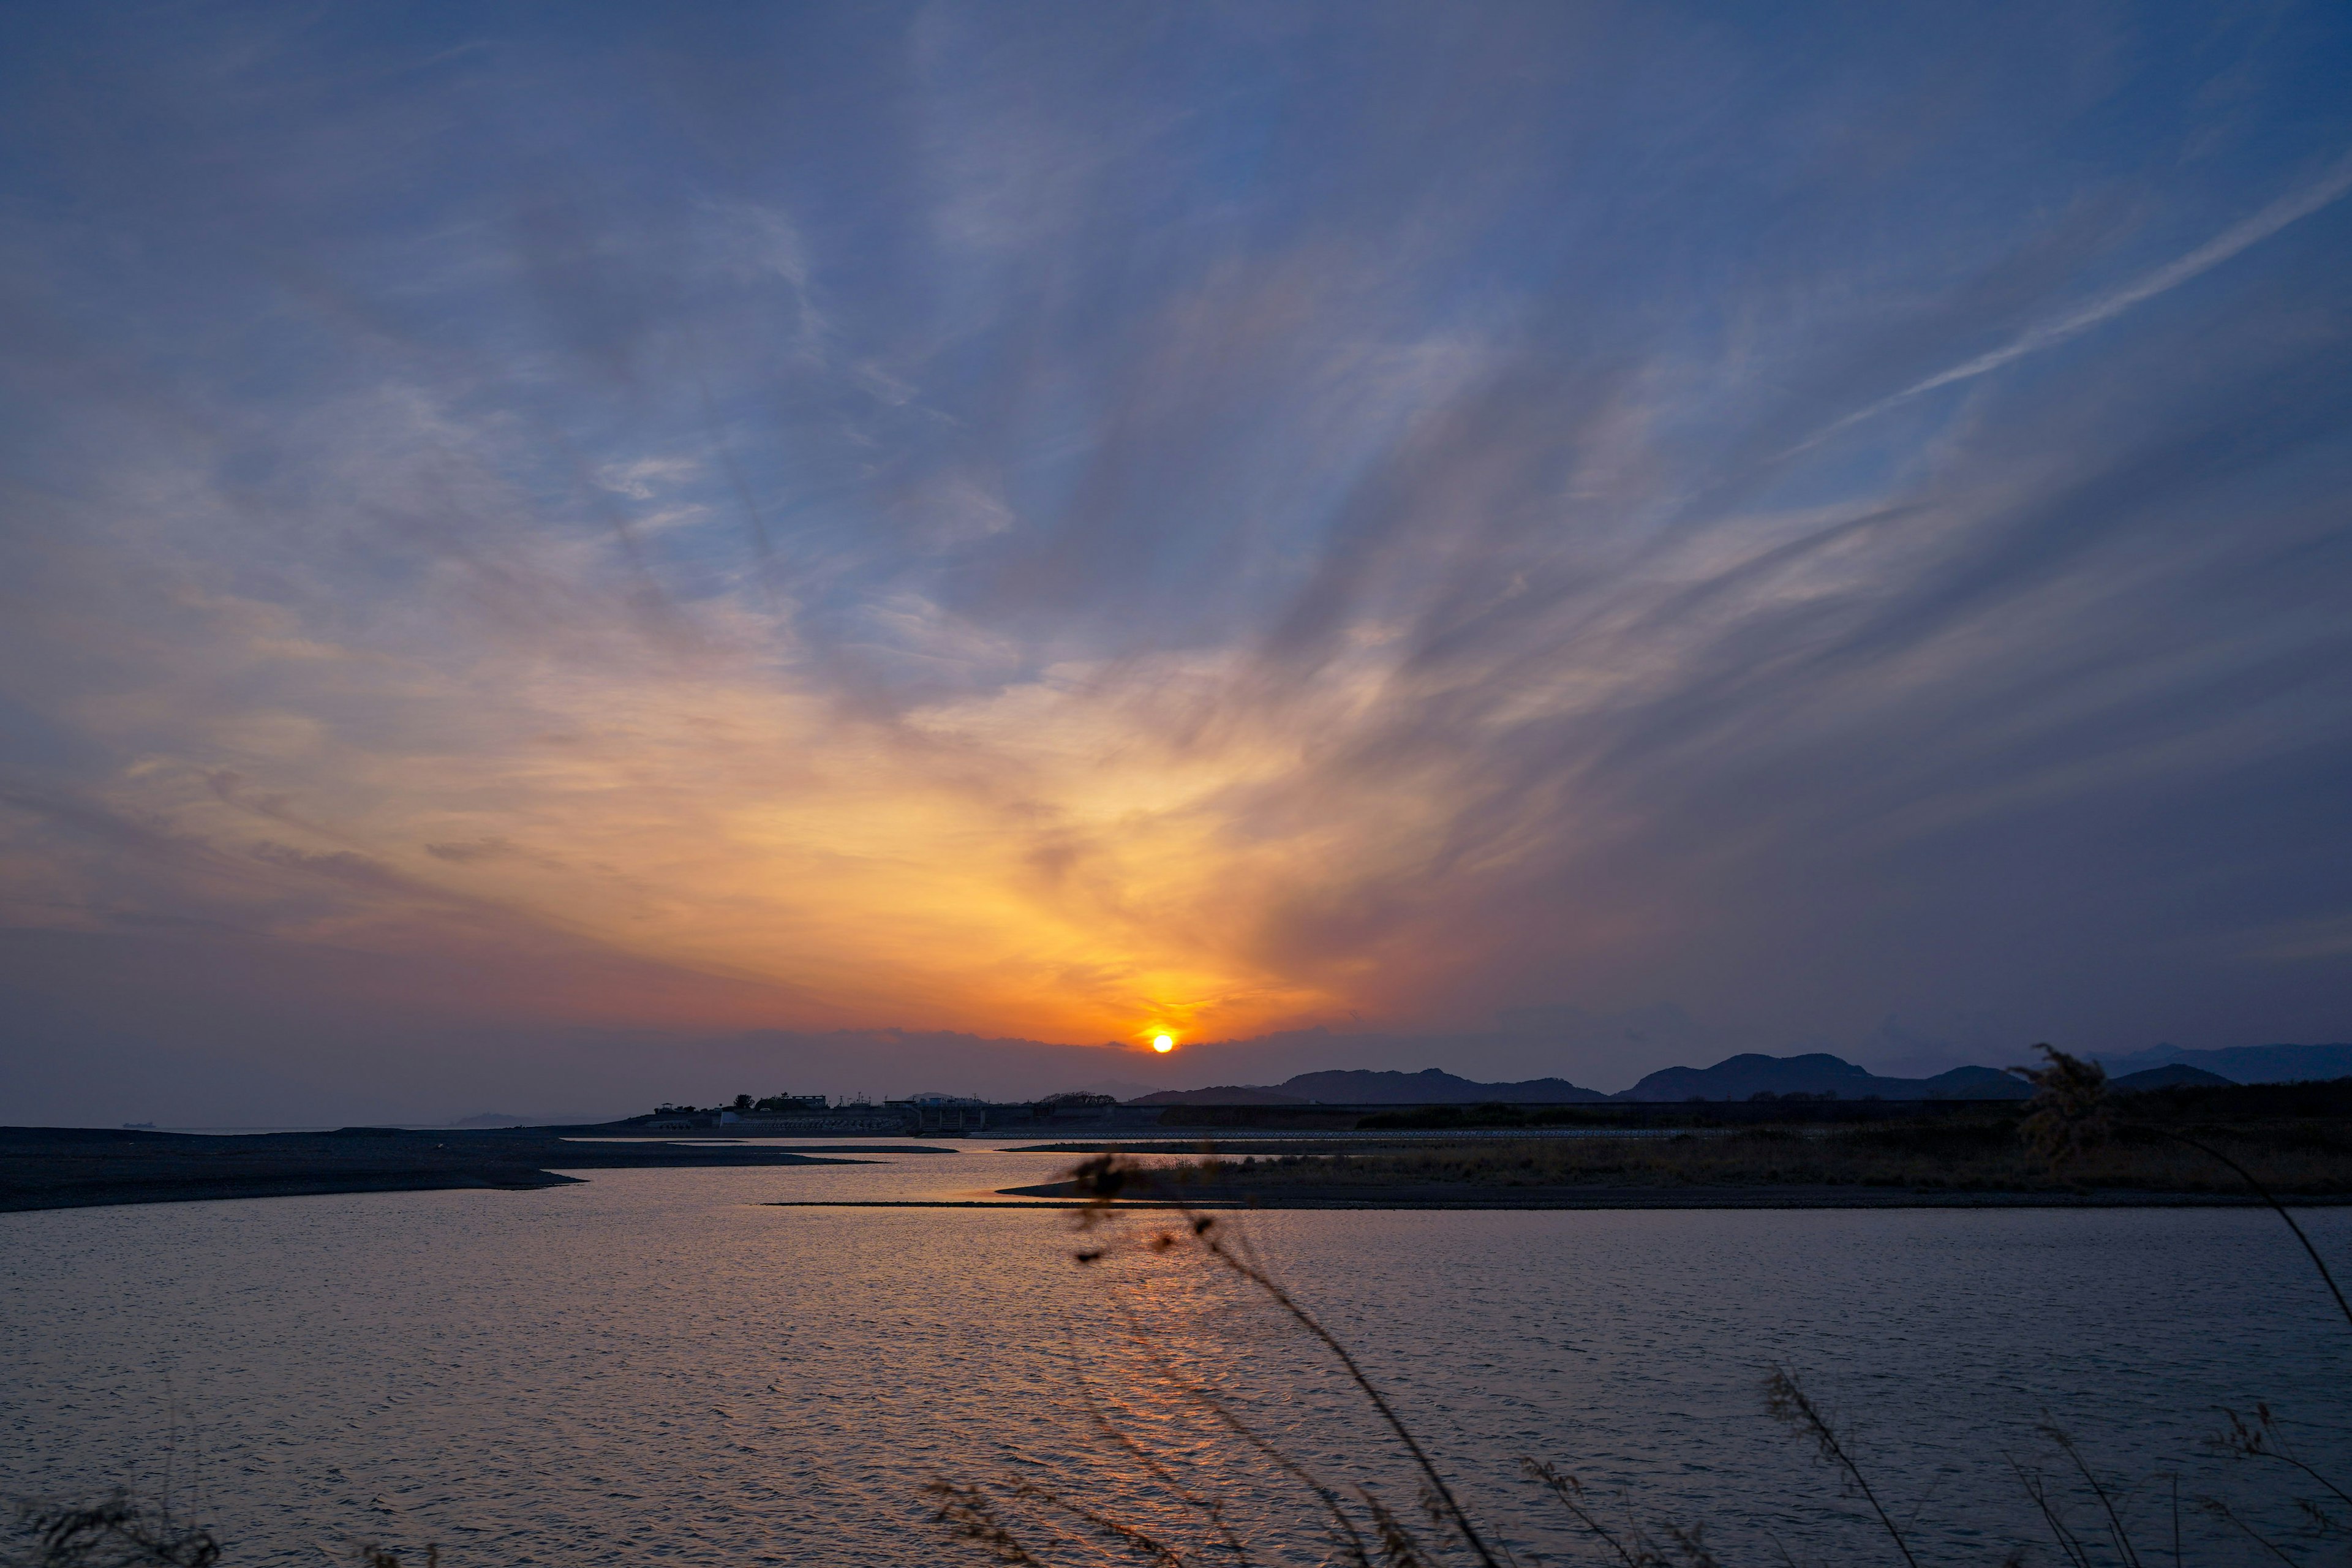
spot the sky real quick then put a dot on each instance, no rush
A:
(555, 557)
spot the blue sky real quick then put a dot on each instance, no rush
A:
(525, 528)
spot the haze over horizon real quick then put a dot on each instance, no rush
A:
(553, 559)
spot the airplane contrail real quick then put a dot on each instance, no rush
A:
(2287, 209)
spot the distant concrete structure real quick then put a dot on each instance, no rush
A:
(780, 1115)
(940, 1113)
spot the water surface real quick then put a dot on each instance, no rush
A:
(653, 1366)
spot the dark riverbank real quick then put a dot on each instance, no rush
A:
(2190, 1147)
(77, 1167)
(1462, 1196)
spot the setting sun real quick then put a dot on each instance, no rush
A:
(1163, 1042)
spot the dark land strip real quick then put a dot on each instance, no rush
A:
(2197, 1145)
(79, 1167)
(1468, 1196)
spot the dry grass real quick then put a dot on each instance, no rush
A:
(118, 1530)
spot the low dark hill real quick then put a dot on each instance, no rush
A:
(1361, 1087)
(2177, 1076)
(1749, 1076)
(1222, 1094)
(1432, 1086)
(2243, 1064)
(1746, 1076)
(2182, 1104)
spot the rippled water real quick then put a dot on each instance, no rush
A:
(653, 1366)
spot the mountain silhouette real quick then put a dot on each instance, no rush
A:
(1751, 1074)
(2243, 1064)
(1362, 1087)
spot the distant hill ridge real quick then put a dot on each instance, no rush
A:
(2244, 1064)
(1753, 1073)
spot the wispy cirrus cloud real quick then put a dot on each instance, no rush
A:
(1025, 525)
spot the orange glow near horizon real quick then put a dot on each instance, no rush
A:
(705, 843)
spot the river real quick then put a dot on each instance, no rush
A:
(655, 1366)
